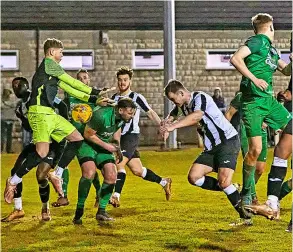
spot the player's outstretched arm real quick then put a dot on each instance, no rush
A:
(90, 135)
(154, 117)
(189, 120)
(284, 68)
(230, 112)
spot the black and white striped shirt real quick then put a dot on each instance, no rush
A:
(216, 128)
(141, 103)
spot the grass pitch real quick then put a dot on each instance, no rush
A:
(193, 220)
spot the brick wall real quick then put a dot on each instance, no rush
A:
(190, 62)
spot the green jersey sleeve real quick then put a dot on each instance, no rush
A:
(254, 44)
(236, 102)
(76, 84)
(74, 92)
(53, 68)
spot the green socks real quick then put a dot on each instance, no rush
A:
(105, 195)
(248, 188)
(83, 191)
(65, 178)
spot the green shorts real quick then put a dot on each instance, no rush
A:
(47, 126)
(100, 156)
(264, 109)
(244, 144)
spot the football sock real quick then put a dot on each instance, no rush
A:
(248, 186)
(105, 195)
(83, 191)
(208, 183)
(18, 192)
(286, 188)
(276, 176)
(18, 203)
(121, 177)
(44, 190)
(65, 178)
(96, 183)
(149, 175)
(234, 198)
(69, 153)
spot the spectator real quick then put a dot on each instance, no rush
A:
(7, 119)
(219, 100)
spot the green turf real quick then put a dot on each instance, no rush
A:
(194, 219)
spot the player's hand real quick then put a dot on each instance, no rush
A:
(111, 147)
(118, 155)
(106, 90)
(261, 84)
(264, 125)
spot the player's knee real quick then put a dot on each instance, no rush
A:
(254, 152)
(137, 172)
(42, 152)
(111, 178)
(192, 179)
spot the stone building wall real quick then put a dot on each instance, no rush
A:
(190, 47)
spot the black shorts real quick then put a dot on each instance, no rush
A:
(129, 144)
(288, 128)
(223, 155)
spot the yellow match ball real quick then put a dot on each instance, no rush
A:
(81, 113)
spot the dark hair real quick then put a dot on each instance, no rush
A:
(126, 103)
(173, 86)
(21, 80)
(260, 19)
(52, 43)
(21, 87)
(82, 70)
(124, 70)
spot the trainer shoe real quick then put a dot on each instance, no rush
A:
(56, 182)
(289, 228)
(9, 191)
(103, 216)
(15, 214)
(61, 201)
(241, 222)
(46, 216)
(263, 210)
(167, 188)
(96, 205)
(114, 201)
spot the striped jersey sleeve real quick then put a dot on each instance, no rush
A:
(142, 102)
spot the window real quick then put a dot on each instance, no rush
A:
(152, 59)
(76, 59)
(219, 59)
(9, 60)
(284, 54)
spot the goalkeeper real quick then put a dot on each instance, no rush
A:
(97, 152)
(45, 123)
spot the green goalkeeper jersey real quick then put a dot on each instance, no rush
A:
(262, 63)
